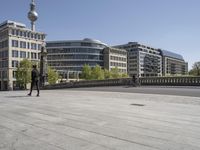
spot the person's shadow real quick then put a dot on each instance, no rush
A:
(20, 96)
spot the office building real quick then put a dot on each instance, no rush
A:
(114, 57)
(69, 57)
(17, 42)
(173, 64)
(143, 61)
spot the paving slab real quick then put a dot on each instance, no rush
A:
(94, 120)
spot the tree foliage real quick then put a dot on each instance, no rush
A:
(86, 72)
(115, 73)
(195, 71)
(107, 74)
(97, 73)
(124, 75)
(23, 73)
(52, 76)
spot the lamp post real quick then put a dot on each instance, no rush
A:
(43, 66)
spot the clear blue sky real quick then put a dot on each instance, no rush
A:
(168, 24)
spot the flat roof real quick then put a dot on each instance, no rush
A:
(171, 54)
(86, 40)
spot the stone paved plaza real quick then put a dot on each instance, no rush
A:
(90, 120)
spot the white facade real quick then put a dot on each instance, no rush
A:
(16, 43)
(114, 57)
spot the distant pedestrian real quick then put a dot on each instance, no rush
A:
(35, 80)
(138, 80)
(134, 80)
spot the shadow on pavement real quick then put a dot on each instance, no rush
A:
(17, 96)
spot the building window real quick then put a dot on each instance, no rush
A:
(21, 33)
(14, 74)
(35, 36)
(33, 56)
(3, 54)
(4, 44)
(25, 34)
(39, 46)
(43, 37)
(28, 34)
(4, 64)
(28, 45)
(22, 44)
(15, 53)
(22, 54)
(39, 56)
(32, 35)
(15, 63)
(15, 43)
(4, 74)
(33, 46)
(28, 55)
(17, 32)
(13, 32)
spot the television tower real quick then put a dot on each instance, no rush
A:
(32, 15)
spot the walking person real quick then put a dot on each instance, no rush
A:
(134, 80)
(35, 80)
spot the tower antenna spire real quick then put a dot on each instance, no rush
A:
(32, 15)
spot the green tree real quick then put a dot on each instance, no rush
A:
(23, 73)
(124, 75)
(107, 74)
(86, 72)
(97, 73)
(195, 71)
(115, 73)
(52, 76)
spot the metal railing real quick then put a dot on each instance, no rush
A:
(173, 81)
(162, 81)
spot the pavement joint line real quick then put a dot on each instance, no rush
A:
(86, 122)
(32, 137)
(59, 132)
(96, 132)
(96, 89)
(114, 137)
(145, 118)
(135, 116)
(70, 113)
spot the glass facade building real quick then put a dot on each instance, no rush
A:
(146, 61)
(71, 56)
(173, 64)
(142, 60)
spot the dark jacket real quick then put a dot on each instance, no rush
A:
(35, 75)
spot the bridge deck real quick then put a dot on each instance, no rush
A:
(89, 120)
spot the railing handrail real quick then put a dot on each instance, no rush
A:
(179, 81)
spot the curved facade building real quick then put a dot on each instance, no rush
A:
(70, 56)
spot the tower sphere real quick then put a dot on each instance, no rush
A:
(33, 16)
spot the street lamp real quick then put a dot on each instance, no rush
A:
(43, 66)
